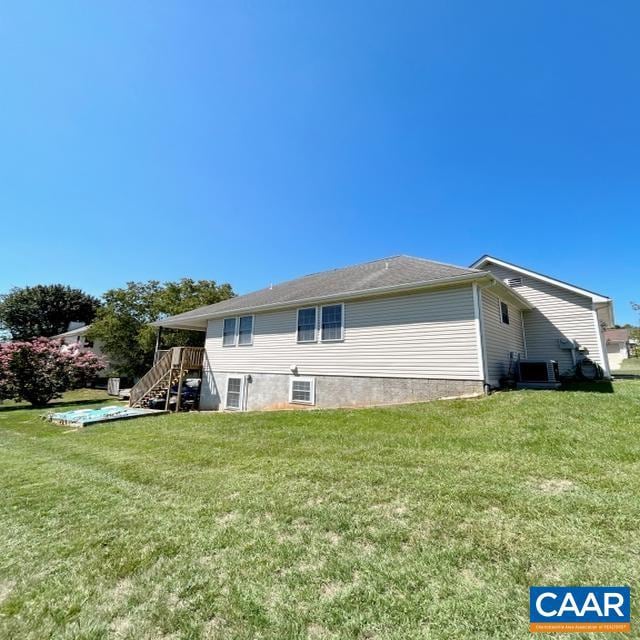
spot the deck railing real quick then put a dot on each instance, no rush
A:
(192, 358)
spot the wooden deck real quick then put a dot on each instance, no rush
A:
(170, 368)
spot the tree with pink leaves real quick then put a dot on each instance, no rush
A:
(39, 370)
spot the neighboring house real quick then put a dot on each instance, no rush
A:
(400, 329)
(77, 335)
(618, 346)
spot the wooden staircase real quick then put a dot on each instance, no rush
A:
(170, 369)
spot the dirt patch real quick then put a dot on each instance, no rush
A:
(317, 632)
(471, 579)
(331, 590)
(214, 628)
(121, 592)
(5, 590)
(226, 518)
(334, 538)
(391, 509)
(121, 627)
(555, 486)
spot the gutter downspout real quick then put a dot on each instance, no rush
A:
(482, 349)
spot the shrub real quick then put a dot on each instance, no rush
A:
(41, 369)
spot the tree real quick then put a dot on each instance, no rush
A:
(122, 323)
(41, 369)
(44, 310)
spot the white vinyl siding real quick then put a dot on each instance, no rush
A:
(422, 335)
(558, 313)
(499, 338)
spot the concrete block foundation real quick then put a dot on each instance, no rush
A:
(269, 391)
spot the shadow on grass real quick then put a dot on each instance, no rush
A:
(600, 386)
(55, 404)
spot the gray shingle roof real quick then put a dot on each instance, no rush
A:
(78, 331)
(386, 273)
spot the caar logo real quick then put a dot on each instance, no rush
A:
(566, 609)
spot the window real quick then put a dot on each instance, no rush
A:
(229, 332)
(302, 391)
(234, 394)
(332, 322)
(307, 325)
(504, 312)
(245, 330)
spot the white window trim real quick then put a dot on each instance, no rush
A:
(315, 328)
(253, 326)
(312, 390)
(240, 399)
(235, 331)
(319, 321)
(502, 322)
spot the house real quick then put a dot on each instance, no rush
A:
(77, 335)
(400, 329)
(618, 343)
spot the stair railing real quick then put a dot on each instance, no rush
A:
(151, 379)
(176, 359)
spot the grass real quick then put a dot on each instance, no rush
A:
(422, 521)
(629, 366)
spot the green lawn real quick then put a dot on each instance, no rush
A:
(423, 521)
(630, 365)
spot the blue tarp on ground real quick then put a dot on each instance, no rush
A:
(82, 417)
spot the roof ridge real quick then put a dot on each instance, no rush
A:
(349, 266)
(317, 273)
(444, 264)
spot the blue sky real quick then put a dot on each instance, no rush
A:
(254, 142)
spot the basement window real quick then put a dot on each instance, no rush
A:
(233, 399)
(302, 391)
(504, 312)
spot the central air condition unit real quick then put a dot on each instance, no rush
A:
(538, 371)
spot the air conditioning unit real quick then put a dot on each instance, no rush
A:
(537, 371)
